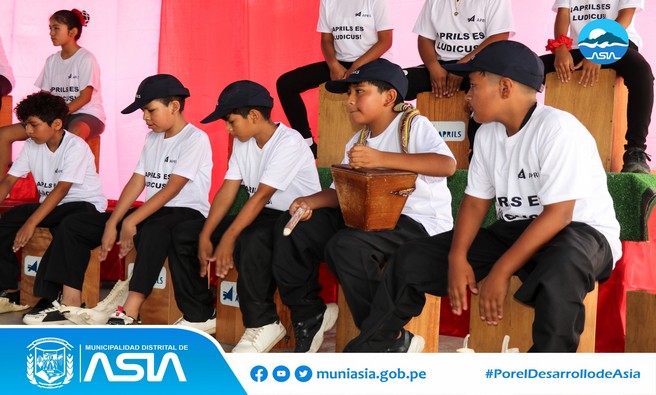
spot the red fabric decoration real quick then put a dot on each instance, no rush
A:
(561, 40)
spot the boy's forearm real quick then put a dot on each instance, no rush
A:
(625, 16)
(49, 203)
(5, 186)
(426, 48)
(328, 48)
(321, 199)
(470, 217)
(128, 196)
(377, 50)
(247, 214)
(429, 163)
(158, 200)
(561, 25)
(221, 204)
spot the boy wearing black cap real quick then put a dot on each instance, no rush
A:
(276, 166)
(175, 170)
(375, 99)
(555, 228)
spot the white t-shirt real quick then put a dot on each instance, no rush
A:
(285, 163)
(430, 203)
(5, 68)
(582, 12)
(552, 159)
(354, 25)
(457, 35)
(188, 154)
(72, 162)
(67, 77)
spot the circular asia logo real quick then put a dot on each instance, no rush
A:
(603, 41)
(49, 363)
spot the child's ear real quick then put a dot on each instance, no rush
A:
(57, 124)
(73, 32)
(254, 115)
(390, 97)
(174, 105)
(505, 86)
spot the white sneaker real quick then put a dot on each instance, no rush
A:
(261, 339)
(120, 318)
(208, 326)
(51, 316)
(105, 308)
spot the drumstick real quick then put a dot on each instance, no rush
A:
(293, 221)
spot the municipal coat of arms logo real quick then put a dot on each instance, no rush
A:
(50, 363)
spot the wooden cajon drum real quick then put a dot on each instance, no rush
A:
(160, 307)
(5, 111)
(334, 127)
(31, 258)
(640, 322)
(426, 325)
(372, 199)
(601, 108)
(229, 324)
(517, 323)
(450, 117)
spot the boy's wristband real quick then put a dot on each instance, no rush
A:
(561, 40)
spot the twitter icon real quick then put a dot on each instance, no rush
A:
(303, 373)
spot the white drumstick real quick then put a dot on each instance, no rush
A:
(293, 221)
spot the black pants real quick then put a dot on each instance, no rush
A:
(252, 257)
(13, 220)
(296, 260)
(68, 255)
(639, 80)
(290, 86)
(357, 259)
(555, 281)
(419, 81)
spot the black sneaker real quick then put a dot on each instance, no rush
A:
(635, 161)
(41, 305)
(54, 315)
(386, 342)
(309, 333)
(408, 342)
(14, 297)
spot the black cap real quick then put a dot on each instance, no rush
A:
(508, 59)
(240, 94)
(155, 87)
(377, 70)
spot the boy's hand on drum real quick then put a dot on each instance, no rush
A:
(364, 156)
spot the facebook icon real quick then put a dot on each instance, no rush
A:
(259, 373)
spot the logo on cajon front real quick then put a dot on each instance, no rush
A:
(31, 265)
(450, 130)
(161, 279)
(229, 295)
(50, 363)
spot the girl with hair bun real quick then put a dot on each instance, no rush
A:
(71, 73)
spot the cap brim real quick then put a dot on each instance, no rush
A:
(461, 69)
(339, 86)
(217, 114)
(132, 108)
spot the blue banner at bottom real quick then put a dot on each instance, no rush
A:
(102, 360)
